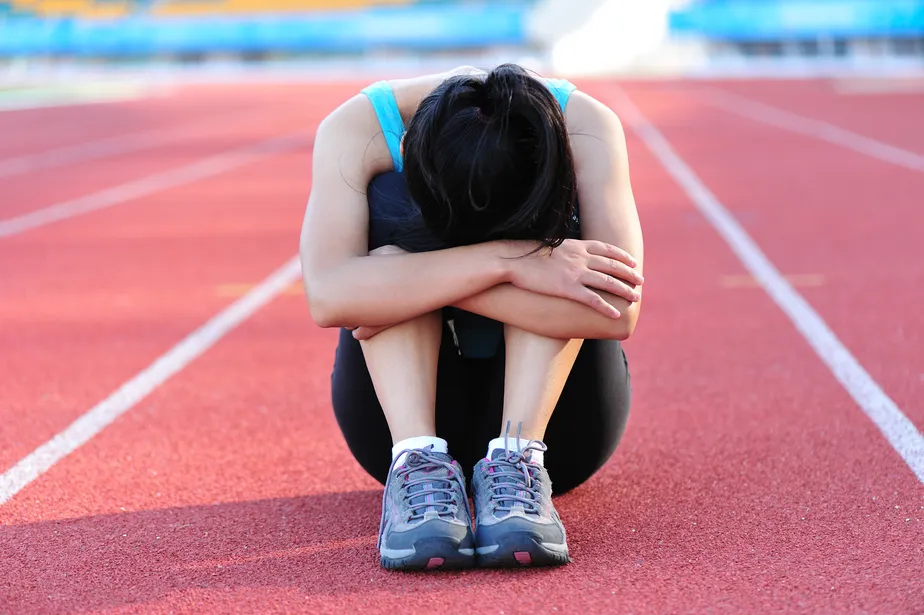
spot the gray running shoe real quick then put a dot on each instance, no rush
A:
(516, 523)
(426, 522)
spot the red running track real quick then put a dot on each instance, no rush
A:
(748, 480)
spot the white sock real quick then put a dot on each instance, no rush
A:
(498, 444)
(439, 446)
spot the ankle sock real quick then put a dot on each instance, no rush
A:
(439, 446)
(498, 444)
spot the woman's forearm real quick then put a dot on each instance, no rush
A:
(380, 290)
(549, 316)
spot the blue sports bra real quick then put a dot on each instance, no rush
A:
(383, 101)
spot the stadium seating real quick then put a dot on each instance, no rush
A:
(797, 20)
(94, 9)
(8, 10)
(198, 28)
(232, 7)
(88, 9)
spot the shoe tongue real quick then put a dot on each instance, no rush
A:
(500, 453)
(441, 456)
(511, 473)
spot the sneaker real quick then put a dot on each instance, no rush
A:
(426, 522)
(516, 523)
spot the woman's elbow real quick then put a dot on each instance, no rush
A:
(321, 305)
(322, 316)
(622, 328)
(320, 312)
(615, 331)
(320, 290)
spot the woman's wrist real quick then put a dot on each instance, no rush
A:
(504, 254)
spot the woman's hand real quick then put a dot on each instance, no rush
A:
(574, 269)
(364, 333)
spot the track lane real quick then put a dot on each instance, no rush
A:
(842, 224)
(90, 301)
(32, 131)
(747, 480)
(87, 302)
(211, 128)
(894, 117)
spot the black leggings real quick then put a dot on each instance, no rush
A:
(584, 430)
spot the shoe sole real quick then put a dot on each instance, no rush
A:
(432, 554)
(521, 550)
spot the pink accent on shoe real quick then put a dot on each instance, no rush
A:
(523, 557)
(436, 562)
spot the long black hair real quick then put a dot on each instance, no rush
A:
(488, 157)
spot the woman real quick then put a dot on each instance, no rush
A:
(480, 307)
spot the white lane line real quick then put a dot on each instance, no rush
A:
(787, 120)
(30, 100)
(151, 184)
(125, 397)
(894, 425)
(92, 150)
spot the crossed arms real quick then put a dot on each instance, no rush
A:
(587, 289)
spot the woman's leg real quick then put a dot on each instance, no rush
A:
(402, 364)
(386, 389)
(589, 417)
(517, 523)
(535, 371)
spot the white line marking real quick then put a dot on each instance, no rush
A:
(44, 93)
(92, 150)
(136, 389)
(895, 426)
(27, 104)
(818, 129)
(151, 184)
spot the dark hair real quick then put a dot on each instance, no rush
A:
(488, 157)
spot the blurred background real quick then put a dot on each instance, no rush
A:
(42, 40)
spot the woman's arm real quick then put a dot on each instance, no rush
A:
(347, 287)
(547, 316)
(608, 214)
(344, 285)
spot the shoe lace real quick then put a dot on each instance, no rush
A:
(516, 479)
(422, 463)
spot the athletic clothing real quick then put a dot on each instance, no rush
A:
(383, 101)
(591, 414)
